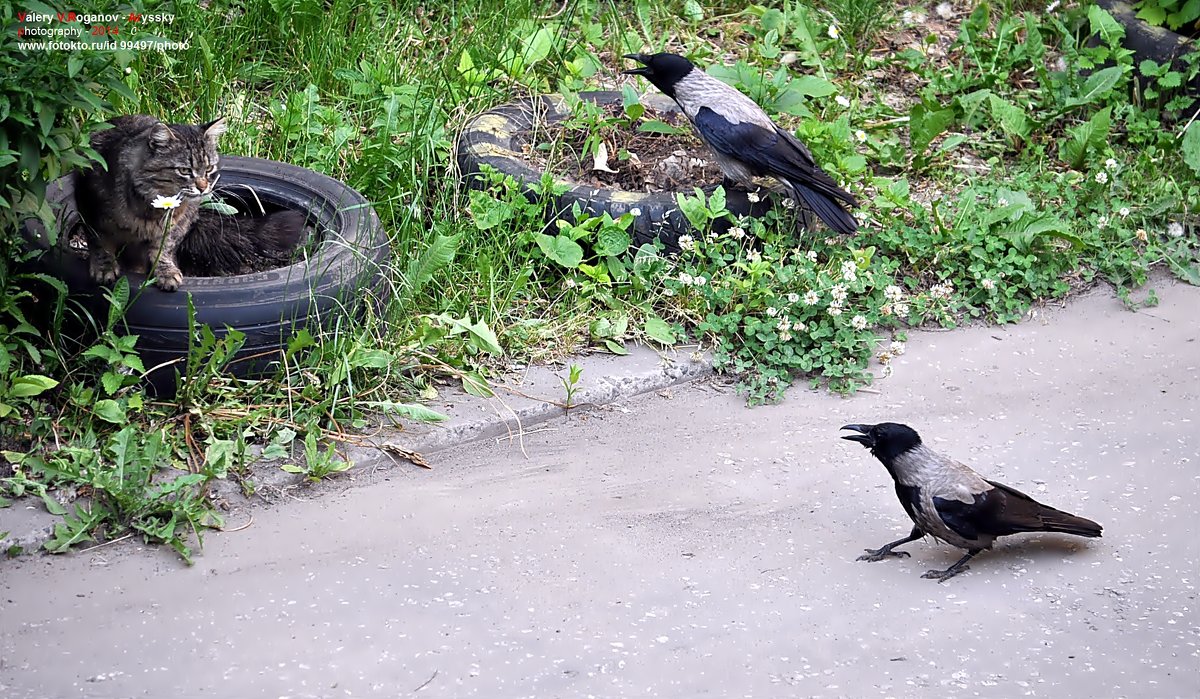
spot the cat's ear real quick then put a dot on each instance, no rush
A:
(214, 129)
(160, 136)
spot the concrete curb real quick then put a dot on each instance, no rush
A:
(534, 399)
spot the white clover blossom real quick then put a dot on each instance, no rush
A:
(835, 311)
(570, 283)
(754, 256)
(737, 232)
(901, 310)
(1110, 164)
(834, 31)
(799, 326)
(685, 279)
(1052, 6)
(811, 298)
(893, 293)
(838, 292)
(772, 311)
(896, 348)
(1102, 177)
(858, 323)
(793, 297)
(988, 284)
(753, 197)
(161, 202)
(635, 211)
(784, 324)
(1141, 235)
(861, 136)
(812, 256)
(785, 336)
(1174, 229)
(789, 203)
(668, 292)
(687, 243)
(849, 271)
(1102, 223)
(842, 100)
(1123, 212)
(1001, 202)
(942, 291)
(700, 281)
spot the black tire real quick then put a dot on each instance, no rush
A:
(343, 268)
(499, 137)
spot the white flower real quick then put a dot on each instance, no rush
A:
(784, 324)
(941, 291)
(811, 298)
(834, 31)
(635, 211)
(1123, 211)
(1141, 235)
(685, 279)
(988, 284)
(570, 283)
(901, 310)
(793, 298)
(1052, 6)
(896, 348)
(893, 293)
(849, 270)
(687, 243)
(1001, 202)
(835, 311)
(858, 323)
(668, 292)
(861, 136)
(737, 232)
(1102, 177)
(754, 256)
(700, 281)
(812, 256)
(838, 292)
(944, 10)
(1111, 164)
(161, 202)
(1102, 223)
(842, 100)
(785, 336)
(789, 203)
(753, 197)
(799, 327)
(772, 311)
(1174, 229)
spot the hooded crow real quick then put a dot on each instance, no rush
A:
(950, 502)
(743, 138)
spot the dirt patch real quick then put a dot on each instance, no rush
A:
(637, 161)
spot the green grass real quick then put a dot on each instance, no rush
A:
(1010, 161)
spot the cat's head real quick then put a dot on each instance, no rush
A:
(182, 159)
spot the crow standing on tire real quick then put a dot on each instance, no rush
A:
(949, 501)
(746, 142)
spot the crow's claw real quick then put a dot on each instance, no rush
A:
(943, 575)
(873, 555)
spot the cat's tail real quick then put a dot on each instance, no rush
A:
(220, 245)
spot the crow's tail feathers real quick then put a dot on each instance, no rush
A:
(1058, 521)
(826, 208)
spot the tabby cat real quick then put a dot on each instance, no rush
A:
(143, 213)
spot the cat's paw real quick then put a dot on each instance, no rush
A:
(168, 279)
(103, 271)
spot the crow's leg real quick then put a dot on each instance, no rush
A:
(944, 575)
(879, 554)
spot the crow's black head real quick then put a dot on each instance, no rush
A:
(887, 440)
(663, 70)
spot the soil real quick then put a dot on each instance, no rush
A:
(643, 162)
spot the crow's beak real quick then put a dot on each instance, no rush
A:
(863, 438)
(640, 58)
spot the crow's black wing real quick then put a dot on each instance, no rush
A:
(768, 151)
(1003, 510)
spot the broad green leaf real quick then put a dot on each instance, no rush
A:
(1152, 14)
(656, 126)
(1190, 146)
(437, 255)
(612, 241)
(560, 249)
(412, 411)
(615, 347)
(658, 330)
(631, 102)
(476, 385)
(111, 381)
(31, 385)
(1104, 26)
(1088, 137)
(1012, 118)
(1097, 86)
(926, 125)
(812, 86)
(110, 411)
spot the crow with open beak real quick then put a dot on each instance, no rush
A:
(949, 501)
(743, 138)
